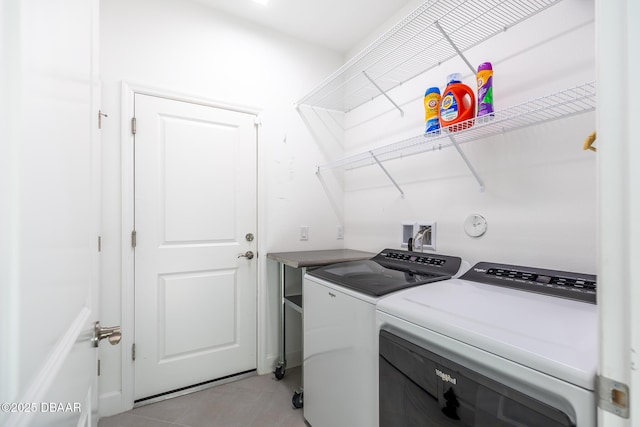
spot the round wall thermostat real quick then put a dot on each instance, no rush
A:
(475, 225)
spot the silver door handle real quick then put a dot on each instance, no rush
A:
(113, 334)
(247, 255)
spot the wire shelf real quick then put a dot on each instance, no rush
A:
(569, 102)
(436, 31)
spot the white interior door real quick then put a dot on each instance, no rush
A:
(49, 212)
(195, 203)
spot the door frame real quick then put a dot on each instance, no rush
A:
(128, 91)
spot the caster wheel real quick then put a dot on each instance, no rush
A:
(279, 372)
(296, 400)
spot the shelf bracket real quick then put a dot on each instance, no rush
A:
(466, 160)
(387, 173)
(384, 93)
(453, 45)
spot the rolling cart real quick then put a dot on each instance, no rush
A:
(301, 261)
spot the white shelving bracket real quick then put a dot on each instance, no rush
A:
(384, 93)
(466, 160)
(387, 173)
(453, 45)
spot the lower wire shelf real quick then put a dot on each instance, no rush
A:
(576, 100)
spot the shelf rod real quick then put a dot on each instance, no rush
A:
(466, 160)
(453, 45)
(387, 173)
(384, 93)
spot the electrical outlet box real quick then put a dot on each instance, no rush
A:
(304, 232)
(428, 233)
(340, 233)
(407, 232)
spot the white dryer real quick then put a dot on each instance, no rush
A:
(502, 345)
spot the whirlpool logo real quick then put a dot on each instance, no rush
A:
(446, 377)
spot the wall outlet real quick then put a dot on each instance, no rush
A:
(340, 233)
(304, 232)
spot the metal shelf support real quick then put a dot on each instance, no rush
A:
(453, 45)
(466, 160)
(383, 93)
(387, 173)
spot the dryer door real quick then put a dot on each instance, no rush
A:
(419, 387)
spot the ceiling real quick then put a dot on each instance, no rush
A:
(335, 24)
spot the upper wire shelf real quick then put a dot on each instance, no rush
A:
(436, 31)
(566, 103)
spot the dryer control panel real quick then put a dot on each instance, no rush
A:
(576, 286)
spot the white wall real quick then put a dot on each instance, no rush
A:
(540, 198)
(187, 48)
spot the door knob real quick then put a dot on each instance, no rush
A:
(112, 333)
(247, 255)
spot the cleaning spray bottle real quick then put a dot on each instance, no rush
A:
(485, 90)
(458, 104)
(432, 111)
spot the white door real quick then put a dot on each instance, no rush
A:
(618, 63)
(195, 204)
(49, 212)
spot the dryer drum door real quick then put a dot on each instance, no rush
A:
(420, 388)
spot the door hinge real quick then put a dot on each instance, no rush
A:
(100, 116)
(613, 396)
(257, 121)
(99, 243)
(134, 239)
(133, 351)
(133, 125)
(98, 367)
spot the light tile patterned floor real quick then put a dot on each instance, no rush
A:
(258, 401)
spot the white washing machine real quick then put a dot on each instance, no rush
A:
(340, 336)
(502, 345)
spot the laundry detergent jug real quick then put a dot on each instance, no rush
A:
(458, 105)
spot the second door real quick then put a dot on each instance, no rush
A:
(195, 203)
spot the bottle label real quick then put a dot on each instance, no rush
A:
(432, 125)
(449, 108)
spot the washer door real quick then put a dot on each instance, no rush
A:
(419, 387)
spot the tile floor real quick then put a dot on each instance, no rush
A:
(257, 401)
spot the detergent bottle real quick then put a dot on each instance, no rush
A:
(432, 111)
(458, 104)
(485, 89)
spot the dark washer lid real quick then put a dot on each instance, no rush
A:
(389, 271)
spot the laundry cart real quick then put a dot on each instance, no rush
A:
(297, 263)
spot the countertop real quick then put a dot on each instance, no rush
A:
(318, 258)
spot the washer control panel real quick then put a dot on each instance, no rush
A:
(418, 261)
(576, 286)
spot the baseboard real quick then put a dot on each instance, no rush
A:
(110, 404)
(268, 365)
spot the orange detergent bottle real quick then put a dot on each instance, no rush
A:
(458, 105)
